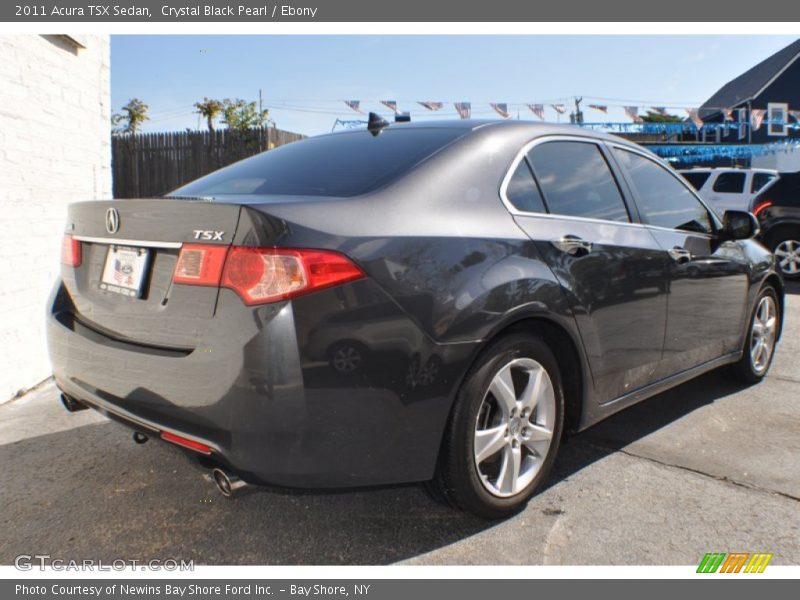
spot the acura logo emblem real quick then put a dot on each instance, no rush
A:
(112, 220)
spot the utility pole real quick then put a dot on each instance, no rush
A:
(260, 105)
(576, 118)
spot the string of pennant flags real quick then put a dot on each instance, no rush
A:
(464, 109)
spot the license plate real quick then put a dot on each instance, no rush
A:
(124, 270)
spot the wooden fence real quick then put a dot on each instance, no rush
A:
(152, 164)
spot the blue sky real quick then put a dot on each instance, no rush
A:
(304, 79)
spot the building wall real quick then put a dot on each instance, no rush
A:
(785, 89)
(54, 149)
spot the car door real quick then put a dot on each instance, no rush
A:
(708, 278)
(563, 193)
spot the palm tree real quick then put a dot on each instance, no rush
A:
(133, 114)
(210, 109)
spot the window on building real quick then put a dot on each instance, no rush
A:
(742, 119)
(576, 180)
(777, 118)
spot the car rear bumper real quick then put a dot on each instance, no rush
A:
(256, 391)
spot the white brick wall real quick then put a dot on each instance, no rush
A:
(54, 149)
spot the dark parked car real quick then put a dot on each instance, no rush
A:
(778, 212)
(424, 302)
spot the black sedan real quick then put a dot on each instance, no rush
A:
(431, 302)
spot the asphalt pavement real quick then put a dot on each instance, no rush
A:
(710, 466)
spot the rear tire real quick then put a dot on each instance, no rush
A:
(762, 333)
(785, 245)
(504, 430)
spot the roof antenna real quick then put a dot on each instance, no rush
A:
(376, 124)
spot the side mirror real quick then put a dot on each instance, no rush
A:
(739, 225)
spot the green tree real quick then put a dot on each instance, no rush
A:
(242, 115)
(210, 109)
(133, 114)
(654, 117)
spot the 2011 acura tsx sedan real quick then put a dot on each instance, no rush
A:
(432, 302)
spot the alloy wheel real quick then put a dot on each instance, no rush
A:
(346, 359)
(788, 255)
(514, 427)
(762, 339)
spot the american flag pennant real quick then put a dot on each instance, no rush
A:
(728, 114)
(538, 110)
(501, 108)
(355, 105)
(431, 105)
(464, 109)
(757, 118)
(559, 108)
(390, 104)
(694, 115)
(633, 113)
(661, 110)
(601, 107)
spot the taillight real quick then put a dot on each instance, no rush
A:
(200, 264)
(70, 251)
(261, 275)
(761, 206)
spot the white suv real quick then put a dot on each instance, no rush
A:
(729, 189)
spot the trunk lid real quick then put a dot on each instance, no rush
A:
(129, 248)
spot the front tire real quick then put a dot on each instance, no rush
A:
(504, 430)
(762, 335)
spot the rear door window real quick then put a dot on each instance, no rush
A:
(575, 180)
(661, 197)
(730, 183)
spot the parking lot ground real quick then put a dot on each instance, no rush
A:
(708, 466)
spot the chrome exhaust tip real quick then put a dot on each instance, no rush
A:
(71, 404)
(228, 484)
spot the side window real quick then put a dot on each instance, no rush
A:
(522, 191)
(697, 179)
(662, 199)
(576, 181)
(760, 180)
(729, 183)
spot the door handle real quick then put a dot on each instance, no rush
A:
(680, 255)
(573, 245)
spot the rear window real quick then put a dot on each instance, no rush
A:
(576, 180)
(760, 180)
(345, 164)
(697, 180)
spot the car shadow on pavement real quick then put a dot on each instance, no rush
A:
(90, 492)
(638, 421)
(792, 287)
